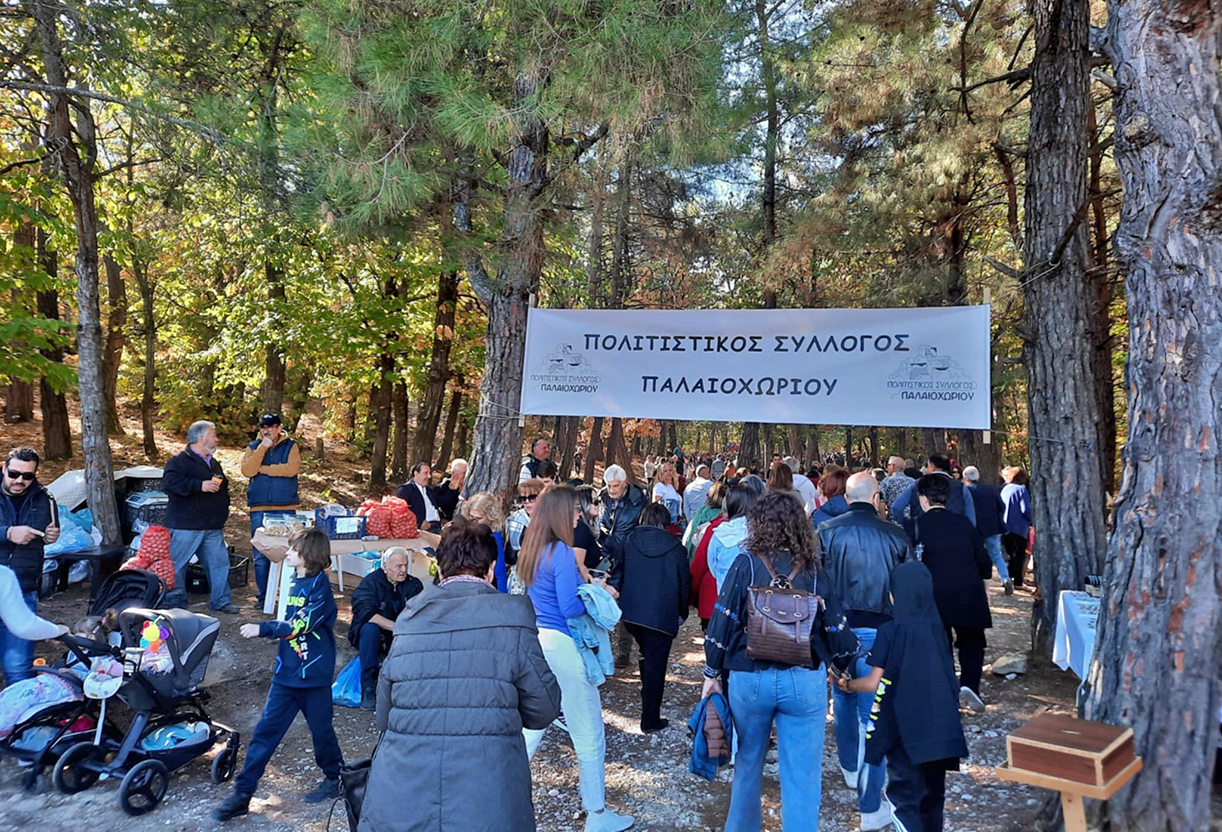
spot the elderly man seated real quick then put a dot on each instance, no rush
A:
(376, 603)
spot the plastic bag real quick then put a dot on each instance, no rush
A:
(72, 538)
(346, 689)
(82, 518)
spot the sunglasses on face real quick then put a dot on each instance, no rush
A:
(530, 498)
(28, 476)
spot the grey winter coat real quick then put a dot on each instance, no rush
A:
(465, 674)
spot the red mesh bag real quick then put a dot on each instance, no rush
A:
(154, 555)
(378, 522)
(403, 523)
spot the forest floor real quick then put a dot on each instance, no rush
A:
(647, 776)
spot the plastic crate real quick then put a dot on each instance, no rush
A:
(342, 528)
(146, 506)
(197, 577)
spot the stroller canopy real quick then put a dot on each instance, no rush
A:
(190, 645)
(128, 588)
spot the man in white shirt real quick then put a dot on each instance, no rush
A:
(803, 485)
(697, 492)
(416, 492)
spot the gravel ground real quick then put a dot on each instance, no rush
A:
(647, 776)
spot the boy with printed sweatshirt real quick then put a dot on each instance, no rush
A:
(301, 680)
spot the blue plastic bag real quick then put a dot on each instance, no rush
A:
(82, 518)
(346, 689)
(72, 538)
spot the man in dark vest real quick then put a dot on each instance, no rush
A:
(25, 528)
(271, 463)
(908, 509)
(199, 506)
(539, 451)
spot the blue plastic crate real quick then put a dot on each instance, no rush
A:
(342, 528)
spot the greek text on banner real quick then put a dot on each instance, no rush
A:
(925, 367)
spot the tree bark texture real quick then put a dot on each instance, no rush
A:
(617, 447)
(19, 403)
(380, 407)
(148, 400)
(1159, 649)
(56, 430)
(116, 338)
(398, 457)
(749, 448)
(568, 445)
(595, 451)
(1063, 411)
(447, 439)
(273, 360)
(439, 368)
(498, 438)
(77, 174)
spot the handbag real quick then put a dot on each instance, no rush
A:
(353, 778)
(780, 619)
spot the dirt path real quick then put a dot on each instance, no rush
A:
(646, 776)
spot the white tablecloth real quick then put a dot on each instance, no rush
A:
(1077, 626)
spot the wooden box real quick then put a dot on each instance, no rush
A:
(1089, 753)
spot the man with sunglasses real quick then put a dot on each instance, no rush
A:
(26, 527)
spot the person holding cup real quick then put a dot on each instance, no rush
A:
(27, 525)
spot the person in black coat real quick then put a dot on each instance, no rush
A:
(376, 603)
(448, 495)
(651, 575)
(419, 496)
(953, 550)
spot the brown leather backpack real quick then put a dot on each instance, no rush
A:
(780, 619)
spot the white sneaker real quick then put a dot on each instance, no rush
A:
(968, 698)
(607, 821)
(879, 819)
(850, 778)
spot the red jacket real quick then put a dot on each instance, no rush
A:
(704, 585)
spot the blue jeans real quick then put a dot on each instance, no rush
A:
(283, 703)
(993, 544)
(372, 643)
(209, 544)
(263, 566)
(796, 698)
(17, 654)
(852, 713)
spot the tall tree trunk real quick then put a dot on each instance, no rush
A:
(568, 445)
(148, 402)
(19, 403)
(617, 448)
(77, 175)
(116, 338)
(595, 450)
(380, 407)
(1100, 324)
(439, 367)
(56, 430)
(873, 447)
(796, 446)
(398, 457)
(462, 442)
(636, 446)
(933, 442)
(1159, 647)
(447, 440)
(848, 445)
(273, 360)
(1063, 406)
(749, 447)
(494, 463)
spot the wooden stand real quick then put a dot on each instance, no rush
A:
(1074, 757)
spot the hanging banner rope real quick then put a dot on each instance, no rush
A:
(924, 367)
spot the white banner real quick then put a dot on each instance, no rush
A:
(925, 367)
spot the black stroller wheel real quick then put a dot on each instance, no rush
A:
(144, 787)
(72, 773)
(224, 764)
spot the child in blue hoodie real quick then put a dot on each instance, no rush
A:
(301, 680)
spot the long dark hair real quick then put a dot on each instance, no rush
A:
(776, 524)
(552, 522)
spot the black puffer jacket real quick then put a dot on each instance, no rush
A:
(619, 516)
(650, 572)
(859, 551)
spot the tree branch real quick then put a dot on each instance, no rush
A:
(579, 150)
(17, 164)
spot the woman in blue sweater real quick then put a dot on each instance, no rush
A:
(547, 565)
(301, 678)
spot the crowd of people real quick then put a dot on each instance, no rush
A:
(533, 608)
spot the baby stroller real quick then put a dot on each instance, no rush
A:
(39, 738)
(165, 655)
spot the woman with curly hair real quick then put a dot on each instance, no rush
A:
(780, 541)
